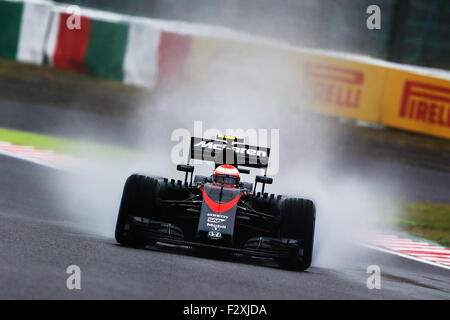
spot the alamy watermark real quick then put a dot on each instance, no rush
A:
(73, 282)
(73, 22)
(374, 280)
(373, 22)
(269, 138)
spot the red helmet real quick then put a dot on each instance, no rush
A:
(226, 174)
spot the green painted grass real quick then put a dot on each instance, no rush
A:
(62, 145)
(426, 220)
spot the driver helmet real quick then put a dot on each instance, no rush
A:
(226, 174)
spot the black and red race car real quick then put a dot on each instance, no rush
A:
(220, 212)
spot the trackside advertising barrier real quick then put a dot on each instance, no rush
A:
(133, 52)
(341, 88)
(108, 46)
(417, 103)
(318, 83)
(149, 53)
(23, 28)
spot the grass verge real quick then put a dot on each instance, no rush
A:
(67, 146)
(426, 220)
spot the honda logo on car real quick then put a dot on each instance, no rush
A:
(426, 103)
(214, 234)
(221, 146)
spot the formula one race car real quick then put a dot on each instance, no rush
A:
(220, 212)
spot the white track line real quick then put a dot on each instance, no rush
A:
(412, 249)
(403, 255)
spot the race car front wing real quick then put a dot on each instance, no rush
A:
(153, 230)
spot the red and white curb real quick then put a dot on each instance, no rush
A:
(411, 249)
(46, 158)
(418, 250)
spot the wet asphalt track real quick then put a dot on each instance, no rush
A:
(37, 245)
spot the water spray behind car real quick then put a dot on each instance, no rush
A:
(309, 159)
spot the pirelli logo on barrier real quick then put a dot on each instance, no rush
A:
(417, 102)
(335, 85)
(426, 103)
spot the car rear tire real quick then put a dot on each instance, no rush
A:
(138, 199)
(297, 222)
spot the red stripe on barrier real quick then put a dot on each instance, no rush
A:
(172, 52)
(71, 45)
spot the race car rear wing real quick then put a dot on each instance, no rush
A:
(229, 150)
